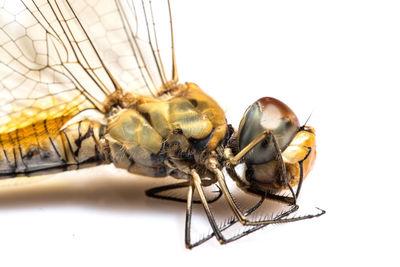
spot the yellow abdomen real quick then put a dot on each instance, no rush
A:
(45, 146)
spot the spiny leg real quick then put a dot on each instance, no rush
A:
(283, 168)
(229, 223)
(211, 219)
(238, 213)
(217, 230)
(302, 171)
(222, 228)
(257, 224)
(248, 231)
(263, 136)
(270, 195)
(283, 199)
(155, 193)
(188, 219)
(258, 227)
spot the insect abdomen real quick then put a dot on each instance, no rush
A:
(43, 146)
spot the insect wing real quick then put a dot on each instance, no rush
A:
(43, 73)
(134, 39)
(58, 58)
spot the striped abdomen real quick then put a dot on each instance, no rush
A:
(43, 147)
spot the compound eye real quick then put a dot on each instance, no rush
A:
(267, 113)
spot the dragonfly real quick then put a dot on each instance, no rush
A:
(93, 82)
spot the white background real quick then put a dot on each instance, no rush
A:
(338, 59)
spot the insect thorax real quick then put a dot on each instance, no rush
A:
(167, 135)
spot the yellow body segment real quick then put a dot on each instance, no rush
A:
(29, 147)
(177, 113)
(184, 115)
(208, 108)
(131, 129)
(47, 145)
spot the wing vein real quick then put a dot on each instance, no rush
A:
(137, 52)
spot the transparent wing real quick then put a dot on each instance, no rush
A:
(58, 57)
(134, 39)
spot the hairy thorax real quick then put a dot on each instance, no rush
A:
(164, 136)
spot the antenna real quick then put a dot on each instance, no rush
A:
(309, 116)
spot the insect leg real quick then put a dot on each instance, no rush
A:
(283, 168)
(223, 228)
(302, 171)
(248, 231)
(263, 136)
(238, 213)
(272, 196)
(258, 227)
(188, 219)
(207, 209)
(239, 156)
(284, 199)
(156, 192)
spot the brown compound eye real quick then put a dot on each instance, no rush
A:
(267, 113)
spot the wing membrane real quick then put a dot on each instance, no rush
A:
(44, 73)
(58, 58)
(134, 40)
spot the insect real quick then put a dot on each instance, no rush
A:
(85, 83)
